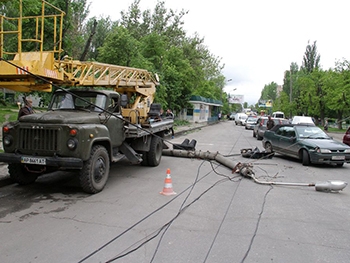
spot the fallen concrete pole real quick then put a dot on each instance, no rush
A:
(203, 155)
(245, 169)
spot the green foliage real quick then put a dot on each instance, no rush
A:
(180, 123)
(120, 48)
(311, 59)
(269, 92)
(8, 114)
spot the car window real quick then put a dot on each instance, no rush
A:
(286, 131)
(311, 132)
(289, 132)
(280, 131)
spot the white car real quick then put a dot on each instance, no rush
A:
(302, 120)
(240, 118)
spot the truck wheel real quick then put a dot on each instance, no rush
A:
(19, 175)
(155, 151)
(94, 174)
(144, 159)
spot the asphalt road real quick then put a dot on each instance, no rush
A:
(216, 215)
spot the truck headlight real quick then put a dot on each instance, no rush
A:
(72, 144)
(8, 140)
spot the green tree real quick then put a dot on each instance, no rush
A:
(312, 93)
(120, 48)
(311, 59)
(337, 87)
(269, 91)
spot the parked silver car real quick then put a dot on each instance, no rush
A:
(260, 126)
(250, 122)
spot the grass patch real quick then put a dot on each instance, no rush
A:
(331, 129)
(8, 114)
(181, 123)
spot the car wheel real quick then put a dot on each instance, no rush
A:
(268, 147)
(305, 158)
(340, 164)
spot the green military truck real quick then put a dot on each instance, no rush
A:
(83, 130)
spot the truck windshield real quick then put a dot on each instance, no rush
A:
(90, 101)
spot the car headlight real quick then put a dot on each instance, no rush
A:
(320, 150)
(347, 151)
(72, 144)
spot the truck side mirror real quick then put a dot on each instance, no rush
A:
(123, 100)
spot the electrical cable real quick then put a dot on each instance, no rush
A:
(140, 221)
(213, 169)
(186, 198)
(173, 219)
(256, 226)
(222, 221)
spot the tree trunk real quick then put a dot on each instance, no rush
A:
(88, 42)
(340, 117)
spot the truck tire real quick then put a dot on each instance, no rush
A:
(19, 175)
(155, 151)
(144, 159)
(94, 174)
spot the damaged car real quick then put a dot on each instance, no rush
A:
(308, 143)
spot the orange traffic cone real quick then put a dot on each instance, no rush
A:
(168, 185)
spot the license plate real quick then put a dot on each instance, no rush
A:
(341, 157)
(33, 160)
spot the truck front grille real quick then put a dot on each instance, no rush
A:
(38, 139)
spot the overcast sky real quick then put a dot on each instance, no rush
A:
(257, 40)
